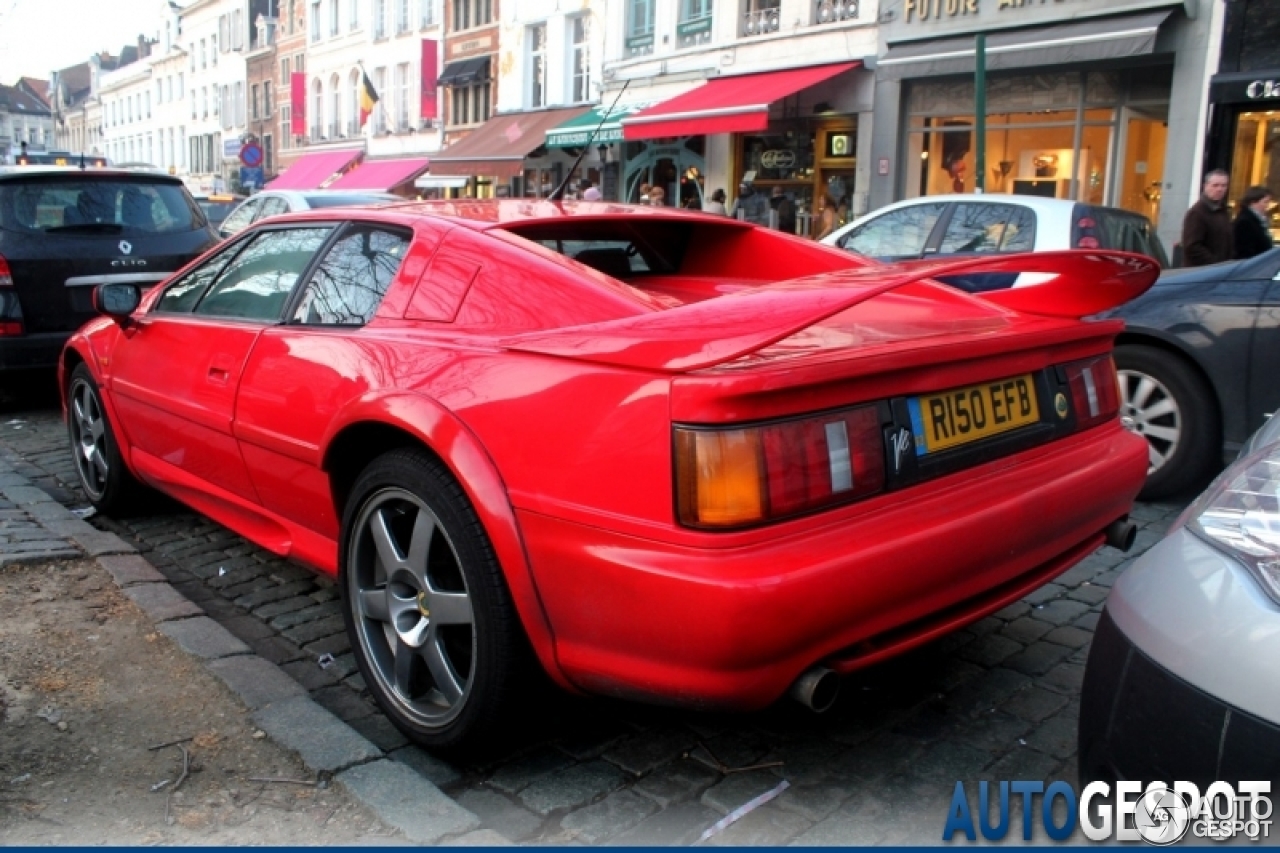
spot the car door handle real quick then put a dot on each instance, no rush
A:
(219, 375)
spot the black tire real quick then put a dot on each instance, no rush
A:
(108, 484)
(1166, 401)
(448, 685)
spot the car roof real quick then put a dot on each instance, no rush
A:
(487, 213)
(99, 173)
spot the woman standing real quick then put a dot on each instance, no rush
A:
(827, 219)
(716, 204)
(1251, 231)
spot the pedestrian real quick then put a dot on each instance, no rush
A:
(1206, 228)
(751, 206)
(1251, 230)
(644, 193)
(716, 204)
(828, 218)
(591, 194)
(657, 197)
(785, 209)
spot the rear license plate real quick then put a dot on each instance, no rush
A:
(962, 415)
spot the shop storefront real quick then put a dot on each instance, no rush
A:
(1079, 103)
(1244, 125)
(790, 134)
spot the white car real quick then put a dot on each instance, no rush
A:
(951, 225)
(274, 202)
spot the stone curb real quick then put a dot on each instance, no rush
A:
(400, 797)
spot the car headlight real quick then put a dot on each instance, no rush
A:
(1239, 514)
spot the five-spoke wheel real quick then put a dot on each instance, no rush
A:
(106, 481)
(429, 614)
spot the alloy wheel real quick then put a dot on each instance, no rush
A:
(89, 438)
(1148, 408)
(411, 607)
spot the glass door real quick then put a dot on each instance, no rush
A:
(1142, 163)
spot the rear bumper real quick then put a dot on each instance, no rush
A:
(734, 627)
(32, 352)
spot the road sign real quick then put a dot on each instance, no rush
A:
(251, 178)
(251, 154)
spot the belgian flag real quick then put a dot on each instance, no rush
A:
(368, 97)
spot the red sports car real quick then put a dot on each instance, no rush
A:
(677, 458)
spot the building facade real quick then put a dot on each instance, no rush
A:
(1080, 101)
(25, 120)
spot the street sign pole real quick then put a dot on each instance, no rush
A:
(980, 113)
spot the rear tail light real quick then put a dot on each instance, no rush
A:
(1086, 233)
(10, 309)
(748, 475)
(1095, 390)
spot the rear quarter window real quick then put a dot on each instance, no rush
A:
(1128, 233)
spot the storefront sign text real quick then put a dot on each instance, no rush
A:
(781, 158)
(1259, 89)
(935, 10)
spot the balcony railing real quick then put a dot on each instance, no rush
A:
(835, 11)
(761, 21)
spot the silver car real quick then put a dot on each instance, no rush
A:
(1183, 678)
(274, 202)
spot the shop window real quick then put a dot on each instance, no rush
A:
(1254, 161)
(761, 16)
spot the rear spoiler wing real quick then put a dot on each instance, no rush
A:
(704, 334)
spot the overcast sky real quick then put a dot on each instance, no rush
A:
(38, 36)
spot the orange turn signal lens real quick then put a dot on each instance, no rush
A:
(721, 477)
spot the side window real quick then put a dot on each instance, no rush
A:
(182, 296)
(1020, 231)
(257, 283)
(273, 206)
(977, 228)
(240, 217)
(899, 233)
(349, 283)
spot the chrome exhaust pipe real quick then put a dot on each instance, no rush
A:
(1121, 533)
(816, 689)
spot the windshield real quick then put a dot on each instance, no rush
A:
(74, 203)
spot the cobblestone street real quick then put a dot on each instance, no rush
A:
(999, 700)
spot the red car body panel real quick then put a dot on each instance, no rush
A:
(550, 390)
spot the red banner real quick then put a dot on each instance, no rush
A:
(428, 104)
(298, 103)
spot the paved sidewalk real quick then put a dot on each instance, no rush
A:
(999, 700)
(36, 528)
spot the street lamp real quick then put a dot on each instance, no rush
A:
(603, 150)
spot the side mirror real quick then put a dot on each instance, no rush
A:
(117, 300)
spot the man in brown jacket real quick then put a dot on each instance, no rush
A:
(1206, 229)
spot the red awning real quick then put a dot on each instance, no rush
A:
(381, 174)
(726, 104)
(310, 171)
(498, 147)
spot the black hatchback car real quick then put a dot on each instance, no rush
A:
(64, 230)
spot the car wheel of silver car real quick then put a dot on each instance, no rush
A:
(106, 481)
(428, 611)
(1165, 401)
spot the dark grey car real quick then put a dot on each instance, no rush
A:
(65, 230)
(1198, 365)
